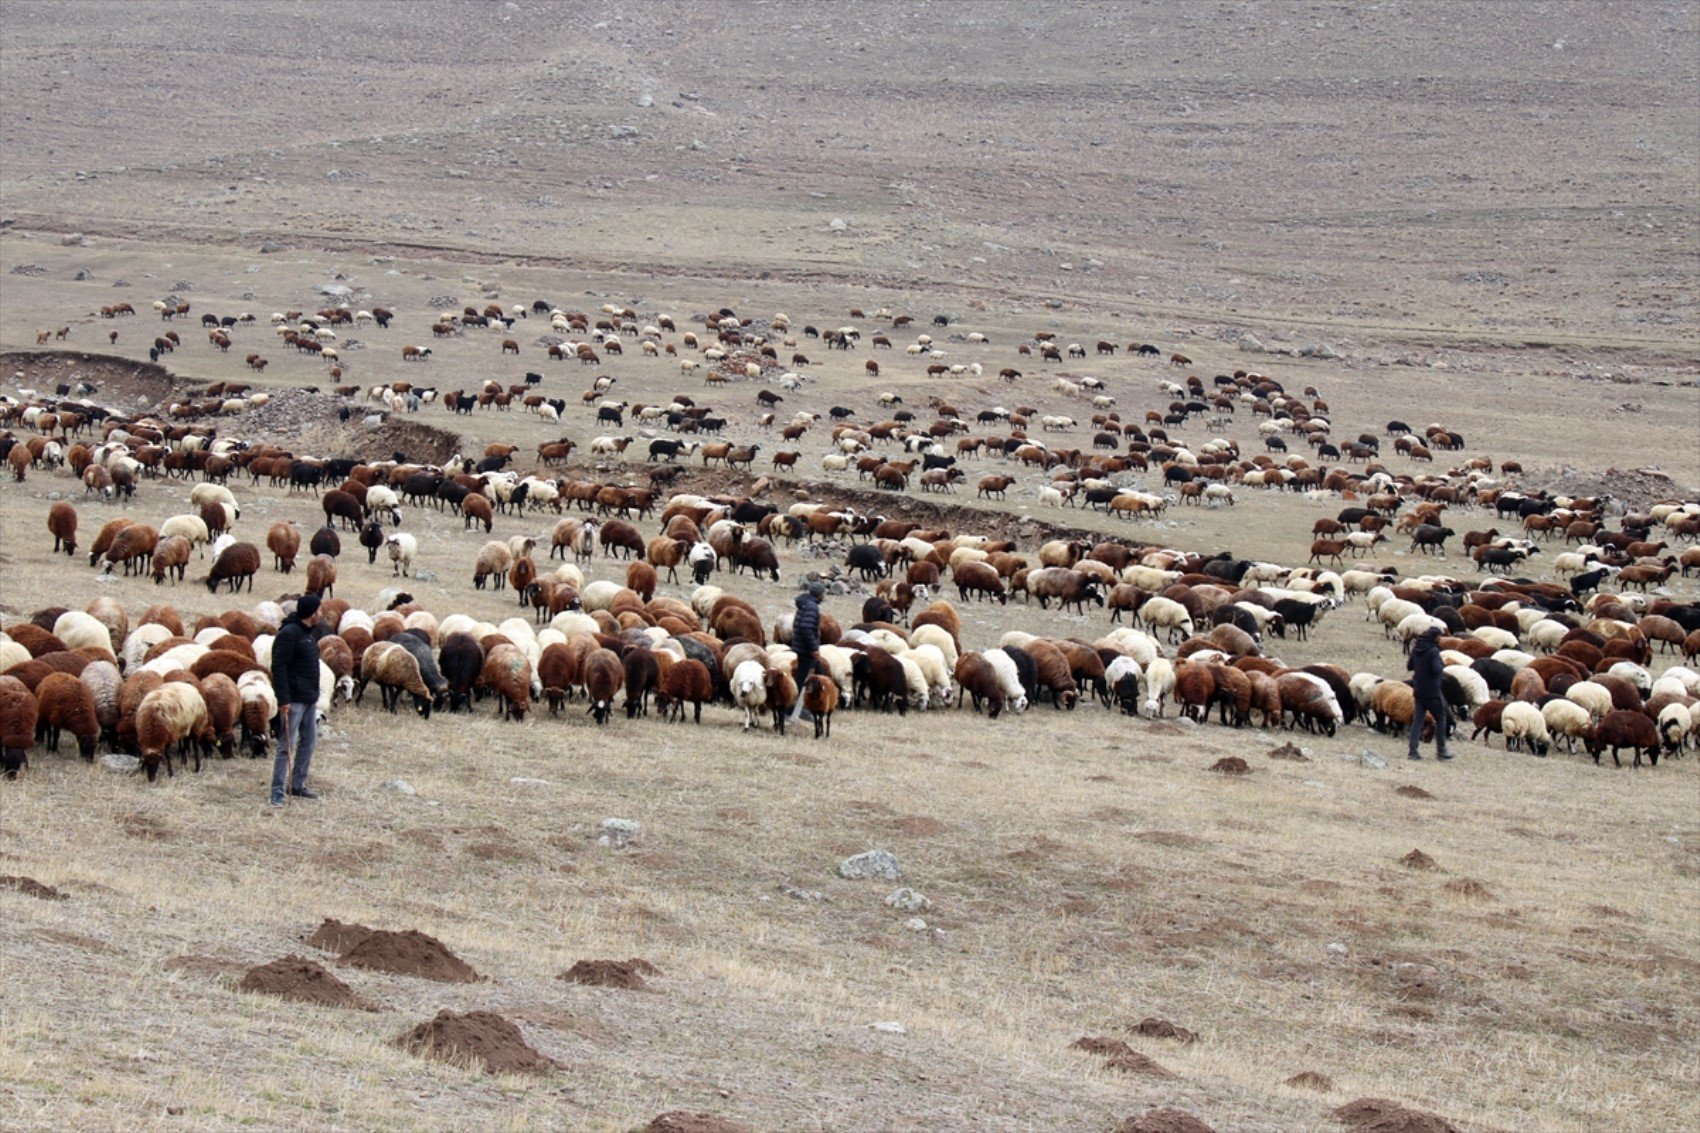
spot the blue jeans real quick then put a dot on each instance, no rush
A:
(1438, 710)
(300, 734)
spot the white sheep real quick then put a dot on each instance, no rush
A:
(190, 527)
(1494, 637)
(402, 550)
(1165, 613)
(1595, 697)
(204, 493)
(1009, 679)
(1676, 725)
(939, 638)
(1568, 719)
(83, 631)
(1523, 726)
(836, 660)
(1159, 683)
(749, 690)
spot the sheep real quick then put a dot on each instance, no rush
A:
(1523, 724)
(1165, 613)
(78, 630)
(1619, 729)
(1159, 683)
(18, 714)
(1676, 723)
(62, 522)
(204, 494)
(1310, 701)
(508, 674)
(395, 670)
(1591, 695)
(235, 564)
(402, 550)
(1566, 718)
(604, 676)
(686, 682)
(64, 703)
(171, 716)
(133, 545)
(102, 680)
(1008, 678)
(284, 542)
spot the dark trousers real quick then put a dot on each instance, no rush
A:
(807, 664)
(1438, 710)
(299, 737)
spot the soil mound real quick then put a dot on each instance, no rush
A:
(1469, 888)
(1416, 859)
(1155, 1028)
(410, 953)
(1289, 751)
(625, 974)
(1097, 1044)
(919, 826)
(1231, 765)
(1310, 1080)
(1412, 792)
(334, 936)
(1379, 1115)
(479, 1037)
(30, 887)
(678, 1121)
(1165, 1120)
(303, 980)
(1136, 1063)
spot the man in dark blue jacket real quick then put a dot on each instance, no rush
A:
(1426, 667)
(805, 640)
(295, 679)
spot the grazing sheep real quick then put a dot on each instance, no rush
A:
(18, 712)
(171, 716)
(321, 575)
(62, 522)
(604, 676)
(688, 682)
(507, 672)
(820, 697)
(64, 703)
(1620, 729)
(1523, 724)
(235, 564)
(284, 542)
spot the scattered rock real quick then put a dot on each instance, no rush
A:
(621, 133)
(120, 763)
(1136, 1063)
(1231, 765)
(83, 275)
(806, 895)
(1412, 792)
(1289, 751)
(72, 240)
(874, 863)
(1164, 1120)
(303, 980)
(268, 247)
(1155, 1028)
(1310, 1080)
(906, 900)
(1365, 758)
(889, 1027)
(1098, 1044)
(482, 1038)
(29, 269)
(619, 832)
(400, 787)
(627, 975)
(915, 924)
(1416, 859)
(410, 953)
(1250, 345)
(1469, 888)
(678, 1121)
(30, 887)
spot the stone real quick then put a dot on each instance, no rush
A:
(120, 763)
(400, 787)
(619, 832)
(269, 247)
(72, 240)
(838, 224)
(523, 781)
(83, 275)
(906, 900)
(1250, 345)
(874, 863)
(621, 133)
(888, 1028)
(915, 924)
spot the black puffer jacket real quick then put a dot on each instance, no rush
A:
(1426, 666)
(295, 664)
(805, 624)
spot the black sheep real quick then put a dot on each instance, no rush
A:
(879, 676)
(461, 659)
(866, 558)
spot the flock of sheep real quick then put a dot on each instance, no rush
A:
(1540, 663)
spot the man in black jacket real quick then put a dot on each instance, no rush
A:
(1426, 667)
(805, 640)
(295, 679)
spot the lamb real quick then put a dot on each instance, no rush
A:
(403, 548)
(18, 712)
(234, 564)
(64, 703)
(604, 676)
(62, 522)
(171, 716)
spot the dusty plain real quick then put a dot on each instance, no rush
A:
(1486, 212)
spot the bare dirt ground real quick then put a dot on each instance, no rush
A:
(1487, 212)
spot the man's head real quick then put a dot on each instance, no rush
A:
(307, 608)
(817, 590)
(1433, 632)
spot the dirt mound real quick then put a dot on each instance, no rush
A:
(423, 444)
(1289, 751)
(1155, 1028)
(410, 953)
(1412, 792)
(1164, 1120)
(30, 887)
(1637, 487)
(1469, 888)
(1136, 1063)
(678, 1121)
(1231, 765)
(1379, 1115)
(1097, 1044)
(479, 1037)
(334, 936)
(1310, 1080)
(626, 974)
(303, 980)
(919, 826)
(1416, 859)
(115, 379)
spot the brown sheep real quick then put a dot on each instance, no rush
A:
(170, 554)
(521, 575)
(1054, 673)
(133, 546)
(781, 696)
(684, 682)
(1621, 728)
(38, 641)
(62, 522)
(321, 575)
(980, 579)
(285, 543)
(558, 671)
(979, 683)
(604, 677)
(641, 578)
(476, 508)
(224, 711)
(820, 697)
(507, 673)
(104, 538)
(18, 713)
(64, 703)
(171, 716)
(237, 563)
